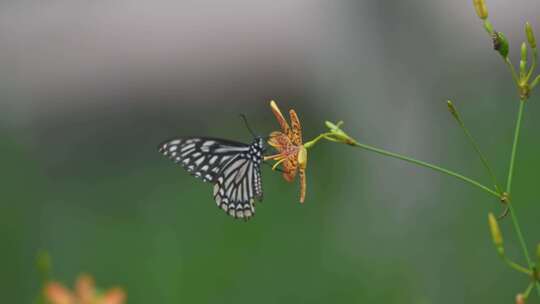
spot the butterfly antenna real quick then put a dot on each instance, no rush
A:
(244, 118)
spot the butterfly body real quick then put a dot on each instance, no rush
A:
(233, 168)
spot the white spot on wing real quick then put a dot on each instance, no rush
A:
(199, 161)
(226, 149)
(187, 147)
(184, 154)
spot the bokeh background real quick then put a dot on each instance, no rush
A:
(88, 89)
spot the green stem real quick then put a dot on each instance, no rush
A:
(528, 290)
(428, 165)
(535, 82)
(483, 159)
(513, 214)
(331, 137)
(312, 142)
(457, 116)
(533, 65)
(488, 27)
(512, 70)
(516, 266)
(514, 146)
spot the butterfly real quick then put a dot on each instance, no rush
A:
(233, 168)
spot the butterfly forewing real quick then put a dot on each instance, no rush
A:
(202, 157)
(233, 168)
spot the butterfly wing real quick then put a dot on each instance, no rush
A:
(202, 157)
(237, 187)
(233, 168)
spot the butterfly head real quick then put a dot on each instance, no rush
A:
(261, 142)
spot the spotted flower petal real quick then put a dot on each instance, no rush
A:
(288, 142)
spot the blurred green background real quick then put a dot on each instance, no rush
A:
(89, 89)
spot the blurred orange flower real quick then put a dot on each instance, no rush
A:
(292, 154)
(85, 293)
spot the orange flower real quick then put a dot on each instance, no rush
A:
(85, 293)
(292, 155)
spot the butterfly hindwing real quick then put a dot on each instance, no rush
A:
(237, 187)
(233, 168)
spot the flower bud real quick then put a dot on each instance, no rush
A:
(481, 9)
(523, 61)
(520, 299)
(452, 109)
(496, 235)
(500, 44)
(524, 51)
(332, 126)
(530, 35)
(338, 135)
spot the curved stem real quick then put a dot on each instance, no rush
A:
(512, 70)
(483, 159)
(517, 267)
(428, 165)
(513, 214)
(312, 142)
(528, 290)
(535, 82)
(455, 113)
(533, 65)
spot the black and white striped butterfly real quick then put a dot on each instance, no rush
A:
(233, 167)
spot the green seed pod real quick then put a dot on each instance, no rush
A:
(538, 252)
(481, 9)
(530, 35)
(500, 44)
